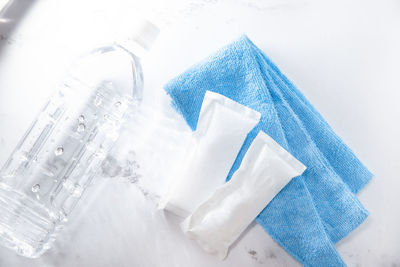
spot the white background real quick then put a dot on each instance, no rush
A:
(343, 55)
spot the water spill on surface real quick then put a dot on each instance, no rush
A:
(128, 169)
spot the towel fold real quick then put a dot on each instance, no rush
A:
(314, 210)
(350, 169)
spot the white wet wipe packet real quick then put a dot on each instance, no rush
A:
(265, 170)
(222, 127)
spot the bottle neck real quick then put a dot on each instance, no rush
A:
(133, 47)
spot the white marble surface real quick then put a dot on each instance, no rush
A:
(342, 54)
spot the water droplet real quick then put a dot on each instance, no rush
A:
(81, 118)
(131, 157)
(36, 188)
(117, 104)
(106, 116)
(81, 127)
(59, 150)
(99, 153)
(97, 100)
(77, 191)
(134, 178)
(135, 164)
(23, 158)
(62, 216)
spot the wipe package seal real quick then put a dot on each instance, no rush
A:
(265, 170)
(222, 127)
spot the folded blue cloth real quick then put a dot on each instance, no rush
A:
(314, 210)
(304, 147)
(351, 170)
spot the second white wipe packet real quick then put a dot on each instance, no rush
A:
(265, 170)
(222, 127)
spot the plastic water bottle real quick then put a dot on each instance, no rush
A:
(62, 151)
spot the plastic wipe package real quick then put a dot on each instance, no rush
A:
(222, 127)
(265, 170)
(217, 212)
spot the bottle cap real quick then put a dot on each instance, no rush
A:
(141, 37)
(145, 34)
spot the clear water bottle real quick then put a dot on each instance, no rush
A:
(62, 151)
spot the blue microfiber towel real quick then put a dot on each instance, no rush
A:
(351, 170)
(319, 174)
(305, 149)
(243, 73)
